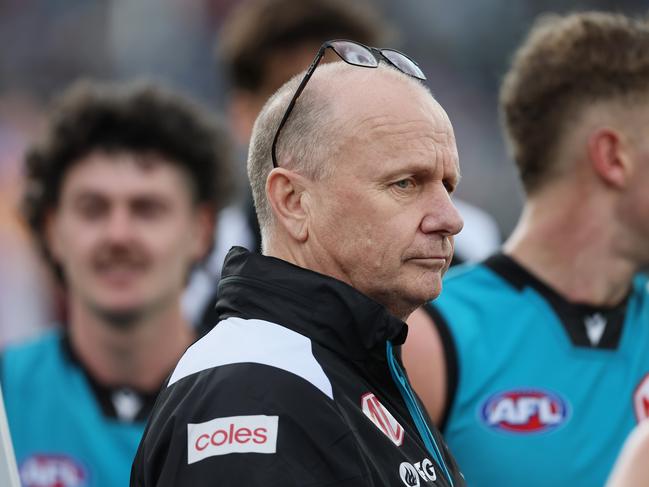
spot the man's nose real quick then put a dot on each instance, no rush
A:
(442, 216)
(119, 226)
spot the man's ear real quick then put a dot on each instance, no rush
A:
(610, 156)
(287, 193)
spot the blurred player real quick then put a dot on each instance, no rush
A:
(121, 195)
(538, 366)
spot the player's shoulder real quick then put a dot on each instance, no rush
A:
(44, 340)
(32, 364)
(472, 280)
(475, 299)
(36, 349)
(463, 272)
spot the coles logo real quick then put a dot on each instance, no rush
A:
(234, 434)
(382, 418)
(524, 411)
(641, 399)
(52, 471)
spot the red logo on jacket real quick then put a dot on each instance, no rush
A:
(382, 418)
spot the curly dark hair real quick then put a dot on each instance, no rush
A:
(565, 64)
(137, 117)
(257, 29)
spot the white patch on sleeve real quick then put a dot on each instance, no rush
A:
(237, 340)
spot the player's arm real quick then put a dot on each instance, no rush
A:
(430, 360)
(632, 466)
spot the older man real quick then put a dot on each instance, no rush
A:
(263, 44)
(299, 383)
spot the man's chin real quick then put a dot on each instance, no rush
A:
(120, 317)
(413, 301)
(420, 301)
(434, 292)
(429, 288)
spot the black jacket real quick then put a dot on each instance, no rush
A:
(291, 388)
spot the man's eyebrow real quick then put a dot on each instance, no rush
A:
(85, 193)
(404, 171)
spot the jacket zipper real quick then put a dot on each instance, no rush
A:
(415, 411)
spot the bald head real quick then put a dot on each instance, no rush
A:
(325, 117)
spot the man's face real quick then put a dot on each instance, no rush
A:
(125, 232)
(384, 220)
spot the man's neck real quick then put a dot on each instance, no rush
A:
(139, 356)
(572, 248)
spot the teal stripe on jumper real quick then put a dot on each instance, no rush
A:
(415, 411)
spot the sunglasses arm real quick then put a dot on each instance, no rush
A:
(298, 92)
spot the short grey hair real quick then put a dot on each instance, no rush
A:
(307, 144)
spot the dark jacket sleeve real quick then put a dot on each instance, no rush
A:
(247, 424)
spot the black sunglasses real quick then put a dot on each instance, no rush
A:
(355, 54)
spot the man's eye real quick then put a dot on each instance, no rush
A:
(404, 183)
(91, 209)
(148, 209)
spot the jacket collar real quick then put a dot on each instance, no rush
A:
(327, 310)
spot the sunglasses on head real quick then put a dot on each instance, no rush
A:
(356, 54)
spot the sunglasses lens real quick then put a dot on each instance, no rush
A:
(356, 54)
(403, 63)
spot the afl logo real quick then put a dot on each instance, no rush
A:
(52, 471)
(524, 411)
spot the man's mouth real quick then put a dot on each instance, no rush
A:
(433, 261)
(119, 272)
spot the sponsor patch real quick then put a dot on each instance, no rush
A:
(408, 474)
(234, 434)
(52, 471)
(524, 411)
(641, 399)
(412, 473)
(382, 418)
